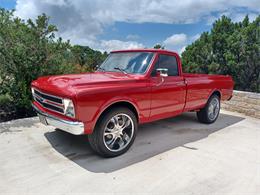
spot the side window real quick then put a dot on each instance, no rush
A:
(170, 63)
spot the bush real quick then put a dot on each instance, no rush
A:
(28, 50)
(7, 109)
(5, 101)
(230, 48)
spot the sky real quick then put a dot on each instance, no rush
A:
(108, 25)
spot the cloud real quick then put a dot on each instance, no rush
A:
(236, 16)
(73, 23)
(239, 16)
(117, 45)
(175, 40)
(178, 42)
(82, 21)
(182, 49)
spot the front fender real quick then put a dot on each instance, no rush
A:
(91, 124)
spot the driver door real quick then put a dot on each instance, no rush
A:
(168, 92)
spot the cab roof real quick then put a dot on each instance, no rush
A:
(161, 51)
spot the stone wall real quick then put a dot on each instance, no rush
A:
(244, 102)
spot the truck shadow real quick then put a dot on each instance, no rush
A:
(152, 139)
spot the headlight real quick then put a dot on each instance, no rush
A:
(32, 89)
(69, 108)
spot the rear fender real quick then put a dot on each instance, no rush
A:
(214, 91)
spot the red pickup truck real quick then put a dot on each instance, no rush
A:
(130, 87)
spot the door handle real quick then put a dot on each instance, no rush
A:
(162, 81)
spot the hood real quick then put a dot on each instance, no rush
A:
(67, 85)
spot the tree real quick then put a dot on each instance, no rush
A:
(229, 48)
(29, 49)
(220, 32)
(249, 64)
(198, 55)
(85, 56)
(159, 46)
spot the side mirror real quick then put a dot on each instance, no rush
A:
(163, 72)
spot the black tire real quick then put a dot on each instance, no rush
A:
(97, 139)
(204, 115)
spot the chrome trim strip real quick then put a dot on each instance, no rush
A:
(76, 128)
(35, 96)
(49, 108)
(48, 94)
(49, 102)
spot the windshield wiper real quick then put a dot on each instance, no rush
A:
(100, 68)
(121, 70)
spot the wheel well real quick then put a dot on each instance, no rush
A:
(121, 104)
(216, 93)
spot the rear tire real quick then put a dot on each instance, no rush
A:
(114, 133)
(210, 112)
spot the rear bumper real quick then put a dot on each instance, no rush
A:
(76, 128)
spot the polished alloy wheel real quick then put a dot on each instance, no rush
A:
(213, 109)
(118, 132)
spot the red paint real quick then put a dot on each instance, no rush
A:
(92, 93)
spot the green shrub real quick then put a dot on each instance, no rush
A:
(5, 100)
(7, 108)
(229, 48)
(29, 50)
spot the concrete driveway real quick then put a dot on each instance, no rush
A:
(174, 156)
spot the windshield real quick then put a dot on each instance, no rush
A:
(127, 62)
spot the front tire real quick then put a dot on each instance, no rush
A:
(210, 112)
(114, 133)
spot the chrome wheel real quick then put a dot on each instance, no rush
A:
(213, 109)
(118, 132)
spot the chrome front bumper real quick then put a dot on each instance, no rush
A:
(76, 128)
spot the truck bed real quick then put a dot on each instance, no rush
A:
(201, 86)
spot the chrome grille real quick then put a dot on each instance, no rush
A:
(48, 101)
